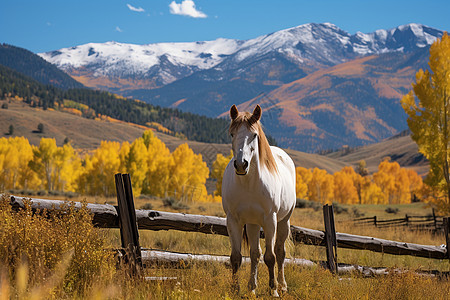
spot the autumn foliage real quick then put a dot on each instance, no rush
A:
(154, 170)
(391, 184)
(182, 174)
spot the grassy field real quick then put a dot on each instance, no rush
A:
(202, 280)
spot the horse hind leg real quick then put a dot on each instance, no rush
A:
(280, 251)
(270, 228)
(253, 232)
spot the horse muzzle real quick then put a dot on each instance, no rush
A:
(241, 169)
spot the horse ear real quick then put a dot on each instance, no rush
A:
(257, 113)
(233, 112)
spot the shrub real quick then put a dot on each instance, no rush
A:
(302, 203)
(339, 209)
(357, 213)
(147, 206)
(40, 128)
(391, 210)
(175, 204)
(48, 243)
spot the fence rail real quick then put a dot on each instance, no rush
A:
(106, 216)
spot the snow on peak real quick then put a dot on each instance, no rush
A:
(324, 42)
(140, 58)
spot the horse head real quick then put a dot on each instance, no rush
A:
(244, 131)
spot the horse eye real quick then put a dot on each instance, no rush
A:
(255, 135)
(232, 134)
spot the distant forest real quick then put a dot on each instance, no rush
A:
(32, 65)
(193, 127)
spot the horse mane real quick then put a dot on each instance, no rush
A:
(265, 154)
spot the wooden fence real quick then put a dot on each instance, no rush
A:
(427, 223)
(106, 216)
(125, 217)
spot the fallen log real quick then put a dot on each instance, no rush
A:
(151, 257)
(104, 215)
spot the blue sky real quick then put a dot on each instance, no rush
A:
(45, 25)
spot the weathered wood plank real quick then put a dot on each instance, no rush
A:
(128, 227)
(164, 257)
(157, 257)
(390, 247)
(330, 238)
(105, 215)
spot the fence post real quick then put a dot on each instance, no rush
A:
(434, 220)
(407, 220)
(447, 234)
(375, 221)
(127, 222)
(330, 237)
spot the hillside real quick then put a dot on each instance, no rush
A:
(354, 103)
(401, 149)
(86, 135)
(31, 65)
(93, 104)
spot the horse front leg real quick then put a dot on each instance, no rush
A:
(235, 231)
(270, 228)
(253, 232)
(283, 228)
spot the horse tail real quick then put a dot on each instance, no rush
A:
(245, 237)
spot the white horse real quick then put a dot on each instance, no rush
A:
(258, 190)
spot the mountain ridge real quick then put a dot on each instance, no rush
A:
(31, 65)
(321, 86)
(304, 42)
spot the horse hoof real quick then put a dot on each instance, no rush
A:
(275, 294)
(253, 292)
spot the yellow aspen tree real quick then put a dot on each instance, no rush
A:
(415, 184)
(67, 168)
(5, 164)
(384, 178)
(136, 163)
(428, 110)
(99, 171)
(43, 162)
(10, 153)
(302, 180)
(123, 154)
(402, 193)
(371, 193)
(188, 175)
(12, 162)
(344, 189)
(159, 165)
(321, 187)
(26, 177)
(218, 167)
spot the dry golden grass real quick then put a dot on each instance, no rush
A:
(97, 277)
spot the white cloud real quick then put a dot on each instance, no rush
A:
(136, 9)
(186, 8)
(118, 29)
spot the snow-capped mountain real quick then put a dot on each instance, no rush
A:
(114, 59)
(162, 63)
(320, 87)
